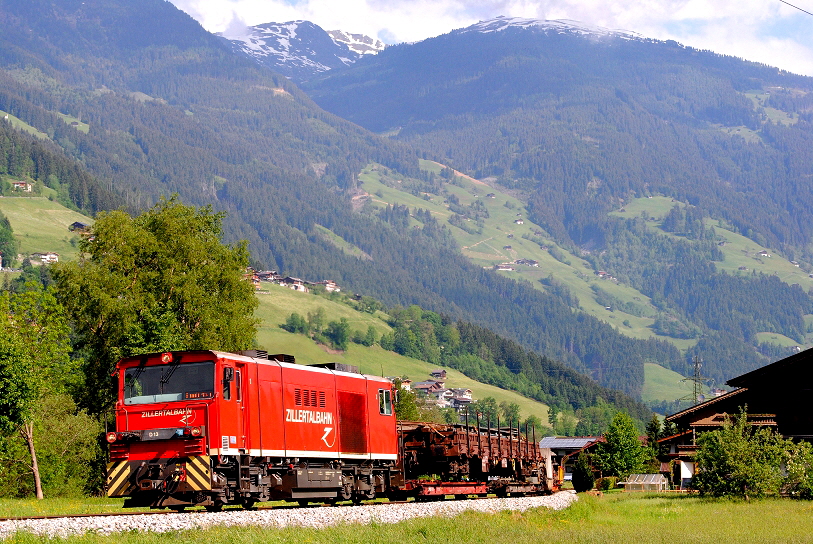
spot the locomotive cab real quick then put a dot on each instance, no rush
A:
(159, 452)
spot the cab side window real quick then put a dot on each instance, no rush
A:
(385, 402)
(228, 378)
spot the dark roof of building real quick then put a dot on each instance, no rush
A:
(756, 377)
(702, 405)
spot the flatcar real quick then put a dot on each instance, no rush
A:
(213, 428)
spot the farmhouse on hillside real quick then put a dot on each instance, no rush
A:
(438, 374)
(46, 257)
(78, 226)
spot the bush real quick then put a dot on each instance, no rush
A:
(741, 460)
(607, 483)
(67, 445)
(583, 478)
(295, 324)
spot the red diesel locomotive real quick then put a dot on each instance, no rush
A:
(212, 428)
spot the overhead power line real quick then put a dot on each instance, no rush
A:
(797, 7)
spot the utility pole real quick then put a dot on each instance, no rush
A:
(697, 382)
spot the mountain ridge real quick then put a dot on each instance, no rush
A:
(582, 127)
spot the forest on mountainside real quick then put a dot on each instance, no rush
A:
(288, 241)
(580, 127)
(22, 157)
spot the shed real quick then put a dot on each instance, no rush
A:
(645, 482)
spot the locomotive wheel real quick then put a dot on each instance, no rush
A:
(248, 504)
(345, 493)
(303, 503)
(216, 507)
(178, 509)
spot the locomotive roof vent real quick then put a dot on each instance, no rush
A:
(341, 367)
(282, 358)
(262, 354)
(254, 353)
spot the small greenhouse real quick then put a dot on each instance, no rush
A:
(645, 482)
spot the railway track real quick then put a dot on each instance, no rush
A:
(275, 517)
(230, 509)
(196, 511)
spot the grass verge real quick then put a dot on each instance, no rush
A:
(620, 517)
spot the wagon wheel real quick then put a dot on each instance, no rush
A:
(302, 503)
(248, 504)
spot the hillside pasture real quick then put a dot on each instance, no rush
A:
(741, 254)
(277, 303)
(42, 225)
(340, 243)
(19, 124)
(499, 231)
(663, 384)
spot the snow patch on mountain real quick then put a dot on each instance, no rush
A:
(301, 49)
(559, 26)
(358, 43)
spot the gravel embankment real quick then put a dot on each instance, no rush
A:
(279, 518)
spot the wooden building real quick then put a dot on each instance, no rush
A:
(776, 395)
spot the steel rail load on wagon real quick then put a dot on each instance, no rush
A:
(212, 428)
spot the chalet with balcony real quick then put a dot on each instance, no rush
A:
(427, 387)
(776, 396)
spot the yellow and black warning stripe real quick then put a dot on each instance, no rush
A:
(199, 473)
(118, 479)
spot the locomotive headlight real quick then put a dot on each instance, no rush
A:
(195, 431)
(111, 437)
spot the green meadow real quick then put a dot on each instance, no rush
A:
(277, 303)
(42, 225)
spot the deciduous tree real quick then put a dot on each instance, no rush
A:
(406, 407)
(160, 281)
(621, 453)
(34, 362)
(510, 412)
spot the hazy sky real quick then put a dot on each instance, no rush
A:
(767, 31)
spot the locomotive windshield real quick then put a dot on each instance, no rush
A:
(167, 383)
